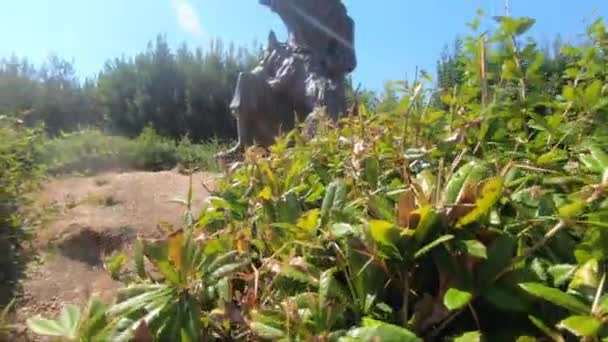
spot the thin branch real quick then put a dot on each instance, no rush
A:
(406, 299)
(475, 316)
(443, 324)
(598, 295)
(551, 233)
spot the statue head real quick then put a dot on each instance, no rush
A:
(274, 55)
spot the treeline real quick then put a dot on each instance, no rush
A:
(187, 92)
(548, 66)
(178, 93)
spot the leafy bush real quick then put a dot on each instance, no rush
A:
(192, 156)
(154, 152)
(20, 172)
(420, 224)
(88, 150)
(91, 150)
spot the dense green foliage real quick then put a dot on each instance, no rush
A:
(420, 223)
(20, 171)
(178, 93)
(93, 151)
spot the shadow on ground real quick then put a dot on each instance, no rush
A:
(90, 246)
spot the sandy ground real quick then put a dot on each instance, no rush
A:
(84, 220)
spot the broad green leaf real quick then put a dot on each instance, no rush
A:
(523, 25)
(476, 248)
(582, 326)
(288, 209)
(490, 194)
(552, 157)
(422, 251)
(456, 183)
(309, 221)
(561, 273)
(593, 93)
(95, 320)
(157, 252)
(134, 290)
(569, 93)
(600, 156)
(265, 194)
(266, 331)
(593, 246)
(138, 302)
(340, 230)
(329, 288)
(267, 326)
(554, 335)
(386, 235)
(500, 253)
(47, 327)
(379, 331)
(192, 324)
(115, 264)
(226, 270)
(509, 69)
(372, 171)
(526, 339)
(221, 260)
(267, 174)
(573, 209)
(219, 203)
(328, 202)
(586, 278)
(603, 306)
(455, 299)
(426, 181)
(382, 208)
(426, 217)
(556, 297)
(69, 319)
(505, 298)
(590, 163)
(473, 336)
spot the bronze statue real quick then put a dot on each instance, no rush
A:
(296, 78)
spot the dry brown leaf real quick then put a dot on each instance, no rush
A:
(405, 207)
(142, 333)
(176, 241)
(465, 202)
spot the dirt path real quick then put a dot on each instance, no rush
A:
(87, 218)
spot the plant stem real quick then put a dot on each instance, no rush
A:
(475, 316)
(598, 294)
(559, 226)
(447, 321)
(406, 299)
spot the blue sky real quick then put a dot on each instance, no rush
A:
(393, 36)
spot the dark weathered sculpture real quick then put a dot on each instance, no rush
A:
(299, 77)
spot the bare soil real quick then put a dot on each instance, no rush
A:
(85, 219)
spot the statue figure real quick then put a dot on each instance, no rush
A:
(297, 78)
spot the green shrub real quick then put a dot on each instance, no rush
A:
(88, 150)
(198, 156)
(20, 172)
(92, 151)
(154, 152)
(20, 167)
